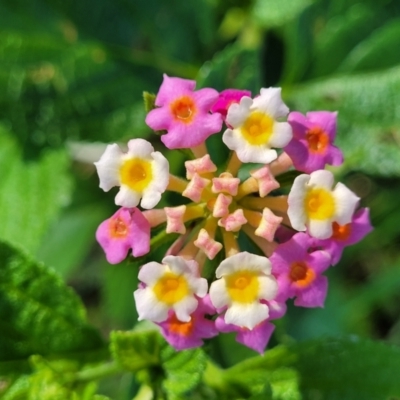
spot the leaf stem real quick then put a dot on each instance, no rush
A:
(98, 372)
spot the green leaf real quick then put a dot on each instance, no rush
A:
(31, 193)
(39, 314)
(57, 380)
(233, 67)
(57, 88)
(17, 390)
(72, 236)
(339, 35)
(369, 125)
(149, 101)
(274, 13)
(136, 350)
(183, 369)
(377, 51)
(342, 368)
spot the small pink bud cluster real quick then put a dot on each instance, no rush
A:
(297, 235)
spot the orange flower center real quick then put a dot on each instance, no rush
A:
(317, 139)
(183, 109)
(118, 228)
(341, 232)
(179, 327)
(300, 274)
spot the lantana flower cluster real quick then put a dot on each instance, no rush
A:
(288, 205)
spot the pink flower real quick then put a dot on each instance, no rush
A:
(312, 144)
(346, 235)
(126, 229)
(184, 113)
(226, 98)
(299, 273)
(187, 335)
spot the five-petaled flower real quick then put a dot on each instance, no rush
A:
(141, 173)
(173, 285)
(243, 280)
(299, 272)
(184, 113)
(126, 229)
(255, 127)
(315, 206)
(312, 145)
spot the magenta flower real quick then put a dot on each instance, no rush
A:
(226, 98)
(346, 235)
(256, 338)
(299, 273)
(184, 113)
(187, 335)
(126, 229)
(312, 144)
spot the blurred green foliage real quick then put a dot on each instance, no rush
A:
(71, 79)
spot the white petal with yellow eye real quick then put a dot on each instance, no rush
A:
(346, 202)
(108, 167)
(320, 229)
(270, 102)
(246, 315)
(149, 307)
(243, 261)
(281, 135)
(127, 197)
(218, 294)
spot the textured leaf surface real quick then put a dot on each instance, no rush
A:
(145, 348)
(31, 193)
(369, 117)
(183, 370)
(334, 369)
(135, 350)
(39, 314)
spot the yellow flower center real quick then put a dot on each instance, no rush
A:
(136, 173)
(300, 274)
(258, 127)
(341, 232)
(183, 109)
(317, 139)
(179, 327)
(243, 286)
(319, 204)
(118, 228)
(171, 288)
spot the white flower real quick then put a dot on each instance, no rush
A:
(142, 173)
(244, 280)
(255, 128)
(315, 206)
(171, 285)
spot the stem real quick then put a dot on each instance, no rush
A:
(230, 243)
(234, 164)
(176, 184)
(250, 185)
(98, 372)
(214, 377)
(266, 247)
(276, 203)
(200, 150)
(281, 164)
(253, 217)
